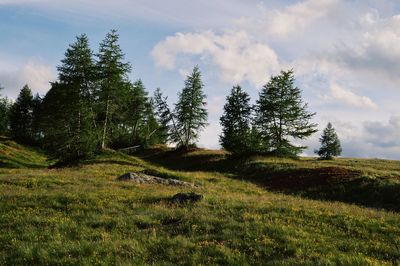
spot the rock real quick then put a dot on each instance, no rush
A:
(186, 197)
(148, 179)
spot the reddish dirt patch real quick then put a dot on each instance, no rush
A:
(306, 178)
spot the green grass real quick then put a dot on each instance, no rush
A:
(14, 155)
(81, 215)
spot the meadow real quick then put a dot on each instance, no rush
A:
(258, 211)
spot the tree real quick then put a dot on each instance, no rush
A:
(281, 116)
(138, 108)
(235, 122)
(165, 117)
(5, 107)
(114, 85)
(68, 116)
(190, 112)
(330, 144)
(21, 116)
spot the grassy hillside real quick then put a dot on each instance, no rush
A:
(82, 215)
(14, 155)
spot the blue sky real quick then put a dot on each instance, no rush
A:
(345, 54)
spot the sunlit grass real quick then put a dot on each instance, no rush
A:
(82, 215)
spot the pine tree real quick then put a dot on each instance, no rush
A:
(190, 111)
(281, 116)
(21, 116)
(235, 122)
(330, 144)
(67, 115)
(114, 85)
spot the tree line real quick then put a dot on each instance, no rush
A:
(93, 106)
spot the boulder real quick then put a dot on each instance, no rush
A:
(186, 197)
(141, 178)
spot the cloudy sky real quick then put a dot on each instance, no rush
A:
(345, 54)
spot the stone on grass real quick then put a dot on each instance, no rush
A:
(186, 197)
(141, 178)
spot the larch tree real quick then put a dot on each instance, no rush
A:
(236, 123)
(190, 111)
(114, 85)
(5, 106)
(281, 116)
(68, 117)
(21, 116)
(330, 144)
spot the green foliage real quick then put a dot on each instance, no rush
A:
(21, 116)
(67, 115)
(281, 116)
(236, 129)
(330, 144)
(5, 108)
(164, 117)
(114, 86)
(190, 112)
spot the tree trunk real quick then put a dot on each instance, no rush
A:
(103, 139)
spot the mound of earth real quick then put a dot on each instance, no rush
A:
(141, 178)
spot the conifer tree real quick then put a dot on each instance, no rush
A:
(67, 115)
(5, 106)
(281, 116)
(330, 144)
(190, 112)
(138, 108)
(114, 85)
(21, 116)
(235, 122)
(165, 117)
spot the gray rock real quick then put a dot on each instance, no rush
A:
(186, 197)
(141, 178)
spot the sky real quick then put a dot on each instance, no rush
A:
(345, 55)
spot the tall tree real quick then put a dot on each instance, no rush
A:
(165, 117)
(190, 111)
(235, 122)
(330, 144)
(68, 116)
(281, 116)
(21, 116)
(138, 108)
(114, 85)
(5, 106)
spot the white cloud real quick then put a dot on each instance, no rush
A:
(348, 97)
(297, 17)
(238, 56)
(33, 72)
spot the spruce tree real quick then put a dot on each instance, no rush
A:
(190, 111)
(21, 116)
(114, 86)
(235, 122)
(281, 116)
(330, 144)
(68, 116)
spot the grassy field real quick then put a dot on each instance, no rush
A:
(255, 212)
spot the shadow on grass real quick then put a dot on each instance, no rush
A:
(325, 183)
